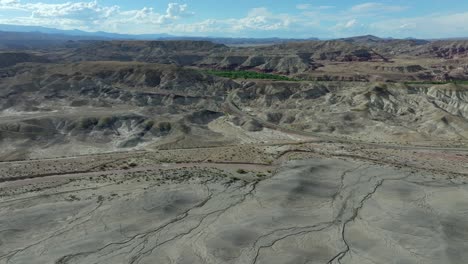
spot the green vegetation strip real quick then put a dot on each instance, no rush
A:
(435, 83)
(268, 76)
(248, 75)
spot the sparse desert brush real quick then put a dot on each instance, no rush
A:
(148, 124)
(105, 122)
(87, 122)
(164, 126)
(241, 171)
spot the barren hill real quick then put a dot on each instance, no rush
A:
(344, 151)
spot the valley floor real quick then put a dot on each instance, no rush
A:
(302, 201)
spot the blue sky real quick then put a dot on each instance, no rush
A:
(247, 18)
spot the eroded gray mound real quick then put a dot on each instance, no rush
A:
(203, 117)
(105, 106)
(380, 112)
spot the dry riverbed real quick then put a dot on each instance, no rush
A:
(296, 203)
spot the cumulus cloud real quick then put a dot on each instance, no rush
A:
(256, 20)
(147, 15)
(351, 23)
(8, 2)
(90, 15)
(77, 10)
(175, 10)
(311, 20)
(75, 14)
(370, 7)
(262, 19)
(451, 25)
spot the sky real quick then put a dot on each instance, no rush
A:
(247, 18)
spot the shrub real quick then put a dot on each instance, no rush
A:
(148, 125)
(106, 122)
(241, 171)
(87, 123)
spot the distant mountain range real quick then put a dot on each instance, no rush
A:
(75, 34)
(80, 33)
(30, 37)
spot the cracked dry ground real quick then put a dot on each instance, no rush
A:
(311, 211)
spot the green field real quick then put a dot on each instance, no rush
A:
(435, 83)
(267, 76)
(248, 75)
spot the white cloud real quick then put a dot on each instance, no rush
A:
(260, 19)
(257, 20)
(303, 6)
(407, 25)
(432, 26)
(351, 23)
(175, 11)
(376, 7)
(147, 15)
(77, 10)
(259, 11)
(90, 15)
(325, 7)
(309, 6)
(8, 2)
(309, 21)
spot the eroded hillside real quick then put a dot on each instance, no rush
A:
(347, 151)
(75, 108)
(376, 112)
